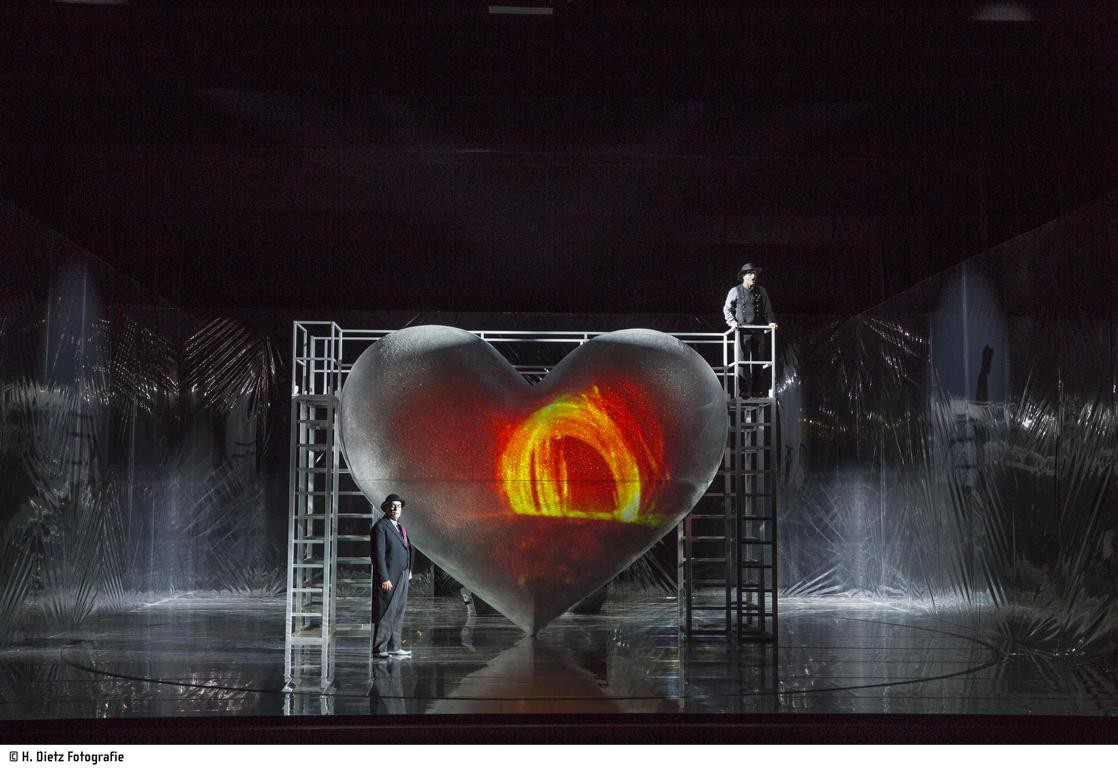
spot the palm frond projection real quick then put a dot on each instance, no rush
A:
(233, 369)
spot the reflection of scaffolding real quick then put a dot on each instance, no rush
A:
(329, 583)
(971, 435)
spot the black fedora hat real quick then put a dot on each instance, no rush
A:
(388, 502)
(748, 266)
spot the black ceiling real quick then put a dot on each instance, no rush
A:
(607, 157)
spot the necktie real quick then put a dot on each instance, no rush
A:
(403, 533)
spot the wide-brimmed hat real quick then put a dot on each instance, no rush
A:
(388, 502)
(748, 266)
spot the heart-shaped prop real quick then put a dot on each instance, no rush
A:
(533, 496)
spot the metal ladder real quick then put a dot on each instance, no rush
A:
(312, 537)
(704, 575)
(726, 548)
(753, 425)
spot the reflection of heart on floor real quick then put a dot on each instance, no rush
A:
(533, 496)
(531, 677)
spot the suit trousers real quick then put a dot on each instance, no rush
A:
(387, 632)
(753, 380)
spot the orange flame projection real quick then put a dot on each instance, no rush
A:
(571, 458)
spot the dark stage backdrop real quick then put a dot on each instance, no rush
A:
(952, 450)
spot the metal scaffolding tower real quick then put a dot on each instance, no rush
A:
(726, 545)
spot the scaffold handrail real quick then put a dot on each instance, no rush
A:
(317, 347)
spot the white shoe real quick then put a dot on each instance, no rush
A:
(400, 652)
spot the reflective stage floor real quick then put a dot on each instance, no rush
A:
(224, 656)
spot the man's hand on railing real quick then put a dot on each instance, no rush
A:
(735, 325)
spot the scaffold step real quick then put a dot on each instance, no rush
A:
(312, 590)
(706, 560)
(308, 541)
(309, 515)
(359, 515)
(326, 423)
(307, 615)
(305, 640)
(307, 565)
(314, 446)
(707, 538)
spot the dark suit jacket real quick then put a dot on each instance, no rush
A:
(391, 562)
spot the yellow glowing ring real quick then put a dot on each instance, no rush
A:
(534, 469)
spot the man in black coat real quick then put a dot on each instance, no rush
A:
(747, 303)
(390, 552)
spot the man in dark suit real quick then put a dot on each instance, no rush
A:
(391, 555)
(747, 304)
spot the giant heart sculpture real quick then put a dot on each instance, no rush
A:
(533, 496)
